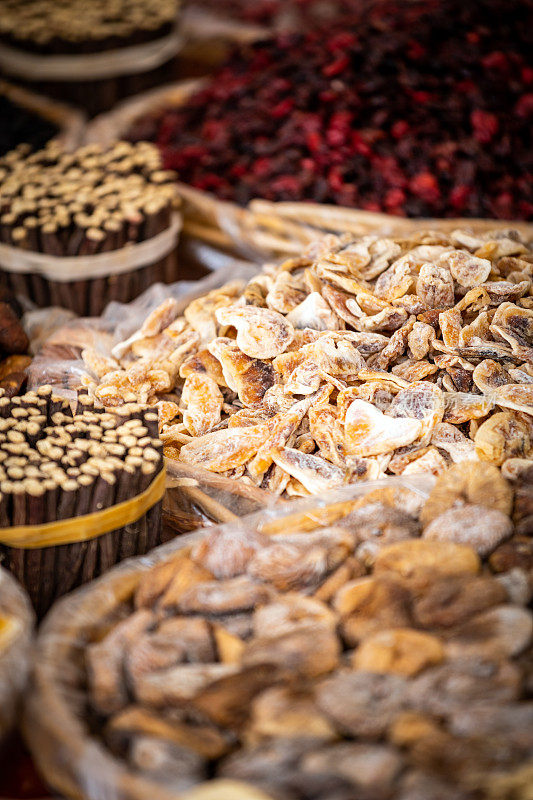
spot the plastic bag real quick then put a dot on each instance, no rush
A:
(16, 633)
(70, 757)
(441, 675)
(59, 361)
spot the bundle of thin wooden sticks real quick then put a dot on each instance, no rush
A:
(59, 465)
(96, 200)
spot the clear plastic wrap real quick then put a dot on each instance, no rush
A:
(59, 362)
(77, 751)
(16, 633)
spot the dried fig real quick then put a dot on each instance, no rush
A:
(479, 484)
(480, 527)
(402, 651)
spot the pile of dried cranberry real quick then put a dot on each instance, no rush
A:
(281, 13)
(421, 108)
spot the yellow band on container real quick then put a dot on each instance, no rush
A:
(81, 529)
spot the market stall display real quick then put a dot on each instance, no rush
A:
(81, 229)
(78, 491)
(93, 54)
(426, 114)
(355, 360)
(16, 631)
(337, 649)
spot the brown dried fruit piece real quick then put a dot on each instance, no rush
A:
(282, 711)
(370, 767)
(518, 552)
(478, 484)
(362, 703)
(307, 652)
(370, 604)
(502, 631)
(454, 599)
(480, 527)
(447, 558)
(402, 651)
(105, 663)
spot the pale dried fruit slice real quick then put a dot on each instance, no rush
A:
(406, 558)
(369, 432)
(450, 439)
(422, 401)
(178, 685)
(472, 483)
(468, 270)
(480, 527)
(434, 286)
(249, 377)
(314, 473)
(402, 651)
(261, 333)
(504, 435)
(517, 396)
(314, 313)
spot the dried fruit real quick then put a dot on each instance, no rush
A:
(476, 484)
(480, 527)
(446, 558)
(401, 651)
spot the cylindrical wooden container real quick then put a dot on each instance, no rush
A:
(80, 230)
(91, 55)
(16, 625)
(78, 492)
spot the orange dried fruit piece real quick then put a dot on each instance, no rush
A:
(406, 558)
(468, 482)
(225, 449)
(203, 402)
(402, 651)
(478, 526)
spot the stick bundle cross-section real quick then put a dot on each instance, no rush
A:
(86, 203)
(58, 465)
